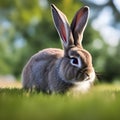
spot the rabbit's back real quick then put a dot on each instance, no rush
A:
(35, 73)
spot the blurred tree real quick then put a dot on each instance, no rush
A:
(112, 67)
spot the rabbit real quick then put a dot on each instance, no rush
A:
(53, 70)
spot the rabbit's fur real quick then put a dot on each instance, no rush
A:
(55, 70)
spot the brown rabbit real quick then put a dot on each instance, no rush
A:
(55, 70)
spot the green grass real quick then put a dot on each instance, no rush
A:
(100, 103)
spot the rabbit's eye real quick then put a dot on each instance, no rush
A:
(75, 61)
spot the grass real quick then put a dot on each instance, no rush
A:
(102, 102)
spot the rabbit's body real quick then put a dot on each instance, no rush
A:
(46, 77)
(56, 70)
(43, 68)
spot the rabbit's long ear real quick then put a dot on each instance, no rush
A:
(79, 23)
(62, 26)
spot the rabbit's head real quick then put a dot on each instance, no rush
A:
(76, 65)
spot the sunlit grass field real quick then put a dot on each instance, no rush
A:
(102, 102)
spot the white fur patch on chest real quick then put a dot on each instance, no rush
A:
(81, 87)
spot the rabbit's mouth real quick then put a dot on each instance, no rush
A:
(85, 75)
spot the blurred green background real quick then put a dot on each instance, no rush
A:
(26, 27)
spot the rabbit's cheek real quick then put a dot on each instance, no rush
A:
(80, 77)
(66, 71)
(70, 74)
